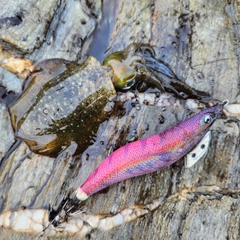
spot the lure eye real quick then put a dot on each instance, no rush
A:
(208, 119)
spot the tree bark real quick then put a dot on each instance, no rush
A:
(199, 40)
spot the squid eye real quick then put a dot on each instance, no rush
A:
(129, 84)
(208, 119)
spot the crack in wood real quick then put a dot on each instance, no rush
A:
(36, 220)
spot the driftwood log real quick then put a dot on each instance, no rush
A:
(199, 40)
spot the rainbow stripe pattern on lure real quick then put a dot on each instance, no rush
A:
(150, 154)
(140, 157)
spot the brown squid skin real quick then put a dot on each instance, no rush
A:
(62, 105)
(47, 126)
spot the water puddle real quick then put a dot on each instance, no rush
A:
(98, 48)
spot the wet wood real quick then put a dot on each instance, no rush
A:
(200, 42)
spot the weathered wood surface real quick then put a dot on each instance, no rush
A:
(200, 41)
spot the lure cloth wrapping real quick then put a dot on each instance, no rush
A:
(149, 154)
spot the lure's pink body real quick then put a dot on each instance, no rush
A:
(149, 154)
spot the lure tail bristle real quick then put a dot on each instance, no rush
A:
(67, 208)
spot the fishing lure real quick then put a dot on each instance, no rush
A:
(142, 157)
